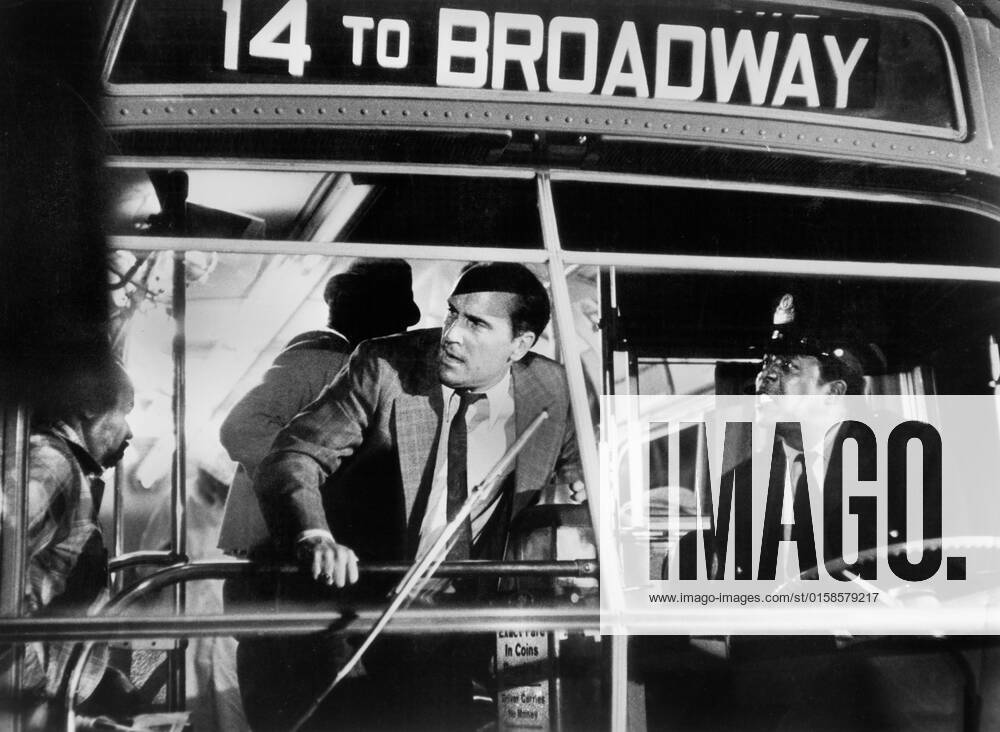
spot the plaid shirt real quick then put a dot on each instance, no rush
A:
(67, 563)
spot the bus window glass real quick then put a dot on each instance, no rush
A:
(684, 335)
(354, 207)
(658, 220)
(446, 210)
(242, 311)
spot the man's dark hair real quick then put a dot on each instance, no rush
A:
(90, 383)
(832, 368)
(531, 308)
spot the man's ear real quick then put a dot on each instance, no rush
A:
(522, 344)
(837, 386)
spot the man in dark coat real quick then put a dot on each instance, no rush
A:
(371, 298)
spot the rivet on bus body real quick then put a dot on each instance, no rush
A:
(279, 110)
(468, 115)
(686, 128)
(706, 128)
(406, 113)
(548, 118)
(607, 121)
(837, 140)
(341, 110)
(781, 135)
(743, 132)
(192, 111)
(385, 112)
(168, 110)
(649, 125)
(819, 138)
(893, 146)
(487, 114)
(527, 118)
(951, 155)
(364, 111)
(257, 110)
(509, 117)
(762, 133)
(321, 110)
(427, 113)
(235, 110)
(666, 125)
(569, 120)
(214, 110)
(447, 115)
(628, 121)
(910, 148)
(725, 130)
(300, 111)
(801, 137)
(123, 112)
(857, 142)
(932, 152)
(147, 110)
(587, 121)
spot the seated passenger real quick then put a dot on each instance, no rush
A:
(373, 297)
(377, 465)
(74, 438)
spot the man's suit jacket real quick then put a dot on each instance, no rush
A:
(359, 461)
(298, 375)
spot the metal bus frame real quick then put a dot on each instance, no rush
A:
(969, 150)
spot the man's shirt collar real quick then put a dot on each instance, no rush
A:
(87, 461)
(499, 399)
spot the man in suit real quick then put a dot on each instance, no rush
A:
(371, 298)
(378, 464)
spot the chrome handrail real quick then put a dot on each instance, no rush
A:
(157, 558)
(471, 619)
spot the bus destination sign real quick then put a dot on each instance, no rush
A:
(667, 53)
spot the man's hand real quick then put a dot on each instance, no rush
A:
(328, 562)
(563, 493)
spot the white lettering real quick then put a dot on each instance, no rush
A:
(843, 69)
(450, 48)
(295, 50)
(627, 47)
(558, 27)
(525, 54)
(744, 55)
(799, 58)
(665, 35)
(401, 28)
(357, 24)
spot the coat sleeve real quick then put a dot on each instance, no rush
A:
(294, 380)
(568, 468)
(312, 446)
